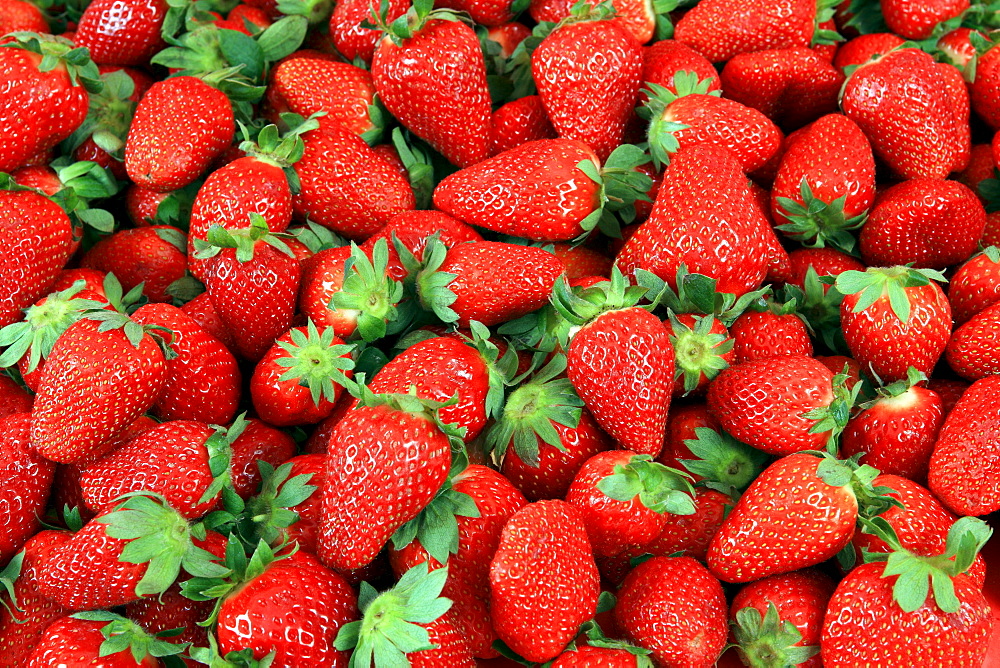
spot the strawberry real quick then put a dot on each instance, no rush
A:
(690, 535)
(42, 108)
(154, 256)
(486, 281)
(975, 285)
(825, 184)
(895, 432)
(28, 480)
(103, 372)
(595, 649)
(22, 16)
(780, 618)
(99, 639)
(122, 33)
(917, 20)
(777, 330)
(961, 464)
(444, 101)
(37, 244)
(792, 87)
(253, 280)
(972, 351)
(894, 318)
(883, 613)
(297, 380)
(897, 102)
(181, 125)
(705, 202)
(924, 222)
(587, 71)
(674, 607)
(543, 579)
(203, 380)
(405, 456)
(823, 261)
(664, 60)
(799, 512)
(508, 36)
(351, 38)
(14, 399)
(257, 443)
(518, 122)
(171, 610)
(413, 229)
(921, 524)
(781, 405)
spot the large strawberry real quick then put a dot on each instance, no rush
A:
(118, 32)
(430, 74)
(28, 479)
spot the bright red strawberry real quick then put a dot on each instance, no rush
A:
(825, 183)
(664, 60)
(799, 512)
(690, 534)
(14, 399)
(432, 78)
(894, 318)
(924, 222)
(975, 285)
(22, 16)
(518, 122)
(80, 640)
(917, 20)
(588, 71)
(257, 442)
(883, 613)
(903, 104)
(780, 618)
(154, 256)
(37, 236)
(824, 261)
(171, 610)
(972, 350)
(705, 219)
(97, 381)
(543, 580)
(181, 125)
(27, 481)
(350, 37)
(120, 32)
(674, 607)
(896, 431)
(777, 330)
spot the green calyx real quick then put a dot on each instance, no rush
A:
(109, 116)
(436, 526)
(368, 290)
(989, 189)
(596, 638)
(501, 369)
(897, 389)
(414, 20)
(532, 411)
(816, 223)
(578, 307)
(825, 10)
(133, 331)
(315, 361)
(160, 537)
(877, 283)
(872, 500)
(59, 51)
(219, 447)
(244, 240)
(818, 304)
(662, 140)
(8, 576)
(315, 11)
(414, 154)
(122, 634)
(698, 351)
(723, 463)
(918, 576)
(316, 237)
(769, 641)
(393, 622)
(264, 516)
(621, 186)
(432, 283)
(833, 417)
(695, 293)
(658, 487)
(280, 150)
(42, 325)
(212, 656)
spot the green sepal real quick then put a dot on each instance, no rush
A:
(55, 51)
(989, 190)
(769, 641)
(583, 306)
(872, 500)
(890, 283)
(243, 240)
(658, 487)
(695, 293)
(866, 17)
(316, 237)
(436, 526)
(892, 390)
(698, 351)
(109, 116)
(415, 155)
(369, 290)
(596, 638)
(825, 11)
(315, 362)
(134, 332)
(834, 417)
(122, 634)
(432, 284)
(724, 463)
(212, 657)
(816, 223)
(818, 304)
(662, 140)
(501, 369)
(280, 150)
(219, 447)
(8, 576)
(622, 186)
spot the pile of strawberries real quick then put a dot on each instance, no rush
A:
(606, 334)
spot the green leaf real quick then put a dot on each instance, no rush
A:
(282, 38)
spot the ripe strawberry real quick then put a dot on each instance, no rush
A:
(414, 228)
(894, 318)
(897, 101)
(42, 108)
(22, 16)
(486, 281)
(28, 480)
(960, 472)
(14, 399)
(543, 580)
(443, 100)
(825, 183)
(350, 37)
(924, 222)
(824, 261)
(665, 59)
(881, 613)
(154, 256)
(917, 20)
(799, 512)
(972, 350)
(587, 71)
(181, 125)
(103, 372)
(777, 330)
(122, 33)
(37, 238)
(975, 285)
(780, 618)
(895, 432)
(674, 607)
(519, 122)
(171, 610)
(80, 640)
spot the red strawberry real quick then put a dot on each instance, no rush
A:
(777, 330)
(22, 16)
(587, 71)
(665, 59)
(924, 222)
(181, 125)
(975, 285)
(414, 228)
(14, 399)
(103, 372)
(432, 78)
(824, 261)
(258, 442)
(690, 534)
(28, 479)
(674, 607)
(894, 318)
(122, 33)
(972, 350)
(896, 431)
(80, 640)
(780, 618)
(518, 122)
(543, 580)
(171, 610)
(350, 37)
(154, 256)
(508, 36)
(917, 20)
(897, 101)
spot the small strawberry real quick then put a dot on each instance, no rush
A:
(917, 20)
(776, 330)
(348, 33)
(22, 16)
(972, 350)
(99, 639)
(122, 33)
(519, 122)
(154, 256)
(975, 285)
(665, 59)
